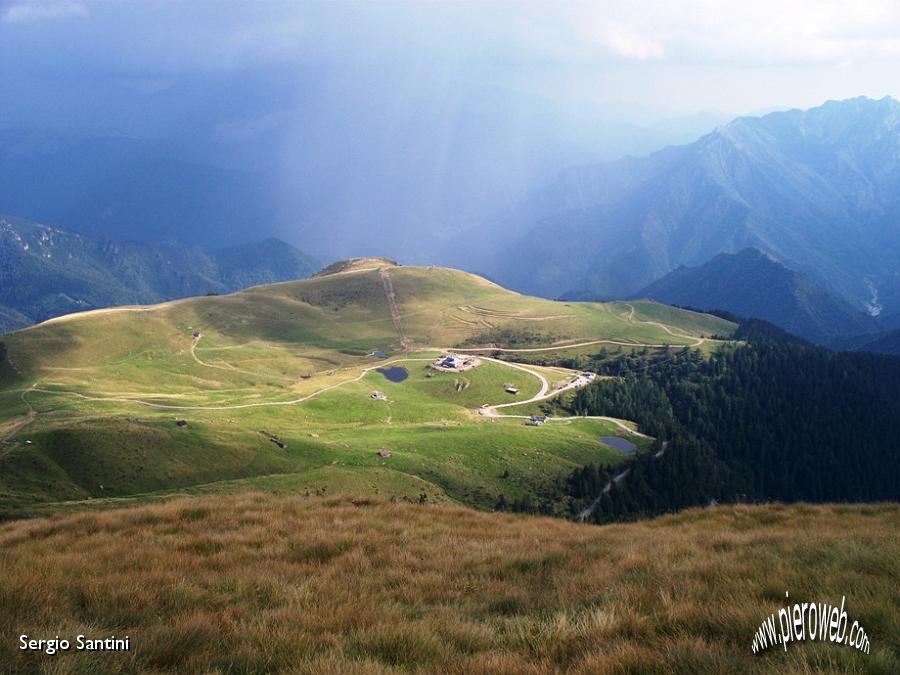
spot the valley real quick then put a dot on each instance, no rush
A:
(273, 388)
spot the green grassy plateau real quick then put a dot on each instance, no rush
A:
(259, 584)
(275, 385)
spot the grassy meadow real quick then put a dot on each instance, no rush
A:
(258, 583)
(439, 446)
(274, 385)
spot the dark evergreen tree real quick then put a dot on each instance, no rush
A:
(763, 421)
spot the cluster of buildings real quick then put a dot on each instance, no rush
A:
(583, 379)
(455, 362)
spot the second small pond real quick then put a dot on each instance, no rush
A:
(619, 443)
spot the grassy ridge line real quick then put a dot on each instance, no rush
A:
(256, 583)
(329, 317)
(92, 313)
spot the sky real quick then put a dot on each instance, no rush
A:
(694, 55)
(424, 114)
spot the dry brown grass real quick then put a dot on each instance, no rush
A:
(257, 583)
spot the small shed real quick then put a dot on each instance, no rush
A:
(512, 390)
(378, 395)
(182, 424)
(384, 453)
(536, 420)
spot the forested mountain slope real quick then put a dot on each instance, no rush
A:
(753, 284)
(756, 422)
(46, 271)
(818, 189)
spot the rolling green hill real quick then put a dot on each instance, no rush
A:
(274, 386)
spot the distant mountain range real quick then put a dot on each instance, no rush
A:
(188, 163)
(46, 271)
(753, 284)
(818, 189)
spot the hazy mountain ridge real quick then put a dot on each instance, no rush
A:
(816, 188)
(47, 271)
(886, 342)
(303, 174)
(118, 187)
(754, 284)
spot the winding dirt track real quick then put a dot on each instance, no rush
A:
(490, 411)
(29, 415)
(543, 394)
(666, 328)
(588, 343)
(196, 341)
(584, 515)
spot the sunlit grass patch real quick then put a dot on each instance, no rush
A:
(348, 585)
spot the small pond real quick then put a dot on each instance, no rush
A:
(394, 374)
(619, 443)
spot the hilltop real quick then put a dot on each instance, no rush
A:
(258, 583)
(275, 387)
(357, 265)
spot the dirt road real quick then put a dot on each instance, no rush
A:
(385, 275)
(543, 394)
(588, 512)
(29, 416)
(588, 343)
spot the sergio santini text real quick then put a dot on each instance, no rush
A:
(81, 644)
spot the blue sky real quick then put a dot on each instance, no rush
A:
(694, 55)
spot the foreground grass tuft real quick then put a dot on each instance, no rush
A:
(254, 583)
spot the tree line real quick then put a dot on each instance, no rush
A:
(767, 420)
